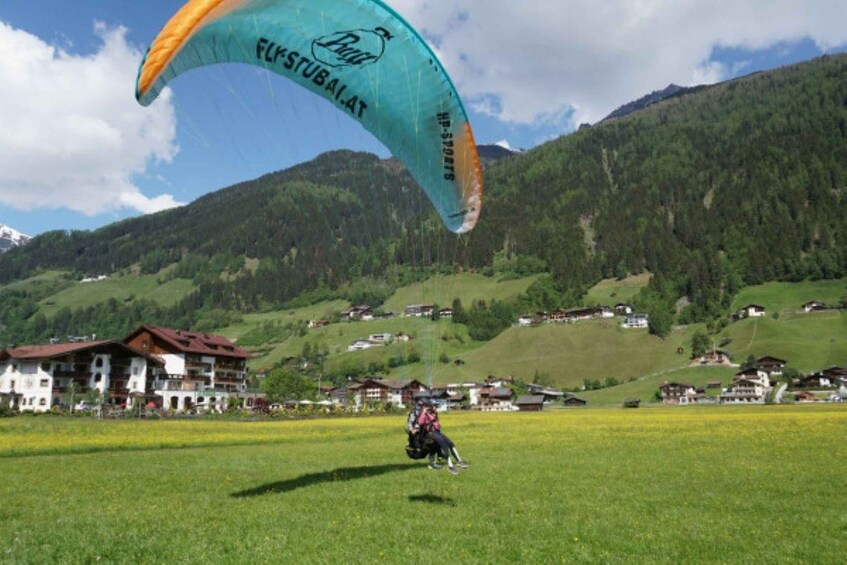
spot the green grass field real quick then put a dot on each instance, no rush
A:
(729, 485)
(431, 339)
(320, 311)
(41, 281)
(809, 342)
(790, 297)
(120, 287)
(442, 290)
(612, 291)
(570, 353)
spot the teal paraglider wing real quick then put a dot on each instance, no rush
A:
(358, 54)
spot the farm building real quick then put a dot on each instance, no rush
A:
(530, 403)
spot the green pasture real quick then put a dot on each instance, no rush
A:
(809, 342)
(121, 287)
(442, 290)
(612, 291)
(653, 485)
(430, 339)
(570, 353)
(46, 280)
(320, 311)
(782, 297)
(645, 388)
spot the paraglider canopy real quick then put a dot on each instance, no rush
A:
(358, 54)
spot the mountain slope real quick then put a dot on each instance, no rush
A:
(739, 183)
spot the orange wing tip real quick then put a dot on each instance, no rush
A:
(173, 38)
(473, 191)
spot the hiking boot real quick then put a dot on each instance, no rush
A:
(453, 470)
(434, 466)
(462, 465)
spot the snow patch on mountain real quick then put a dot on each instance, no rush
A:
(10, 238)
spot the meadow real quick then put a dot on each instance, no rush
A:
(783, 297)
(809, 342)
(761, 484)
(122, 287)
(609, 292)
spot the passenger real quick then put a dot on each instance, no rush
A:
(429, 423)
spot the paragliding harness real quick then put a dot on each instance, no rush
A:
(420, 445)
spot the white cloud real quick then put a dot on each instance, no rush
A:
(71, 133)
(581, 60)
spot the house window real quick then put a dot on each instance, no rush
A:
(99, 362)
(42, 402)
(98, 377)
(12, 385)
(45, 367)
(374, 393)
(135, 370)
(45, 383)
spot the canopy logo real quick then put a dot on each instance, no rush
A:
(355, 48)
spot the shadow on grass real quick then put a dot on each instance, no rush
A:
(336, 475)
(431, 499)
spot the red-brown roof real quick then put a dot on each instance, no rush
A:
(196, 342)
(35, 352)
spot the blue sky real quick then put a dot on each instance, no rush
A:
(554, 66)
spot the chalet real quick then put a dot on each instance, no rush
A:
(622, 309)
(713, 385)
(679, 393)
(314, 324)
(445, 313)
(836, 374)
(773, 366)
(201, 371)
(559, 317)
(814, 306)
(470, 390)
(381, 391)
(39, 377)
(636, 321)
(593, 313)
(753, 311)
(362, 313)
(549, 394)
(574, 402)
(418, 311)
(631, 402)
(744, 391)
(754, 374)
(530, 403)
(498, 382)
(818, 381)
(715, 357)
(497, 399)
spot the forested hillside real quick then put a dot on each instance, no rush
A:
(736, 184)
